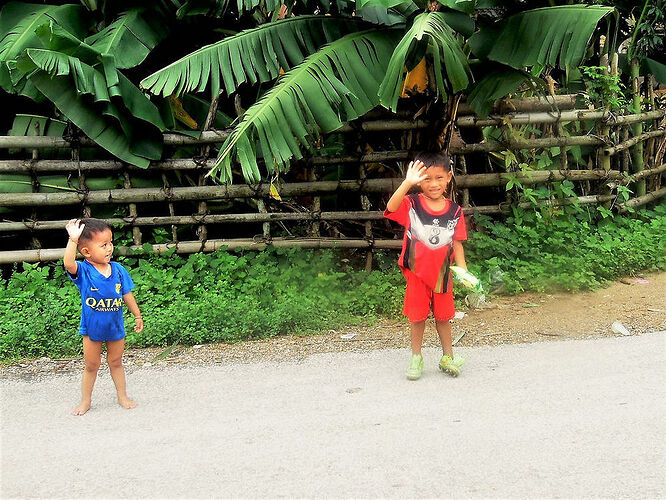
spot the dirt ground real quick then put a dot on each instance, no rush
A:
(639, 303)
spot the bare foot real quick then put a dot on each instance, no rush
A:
(81, 409)
(126, 402)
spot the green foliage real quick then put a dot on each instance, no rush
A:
(255, 55)
(521, 40)
(603, 90)
(571, 251)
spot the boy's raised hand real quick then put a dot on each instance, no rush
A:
(415, 172)
(74, 229)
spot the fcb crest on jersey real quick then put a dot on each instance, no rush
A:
(118, 287)
(434, 231)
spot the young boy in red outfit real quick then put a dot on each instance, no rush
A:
(434, 231)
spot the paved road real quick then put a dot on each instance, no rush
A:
(556, 419)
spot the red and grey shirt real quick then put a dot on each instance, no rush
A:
(427, 246)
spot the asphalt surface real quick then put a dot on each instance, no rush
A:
(571, 419)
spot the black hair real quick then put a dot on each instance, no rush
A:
(437, 159)
(92, 227)
(432, 159)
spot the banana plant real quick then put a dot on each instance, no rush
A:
(45, 51)
(363, 65)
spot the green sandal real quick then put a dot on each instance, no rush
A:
(451, 366)
(415, 367)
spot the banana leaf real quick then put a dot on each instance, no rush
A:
(129, 39)
(18, 22)
(335, 84)
(553, 36)
(107, 133)
(254, 55)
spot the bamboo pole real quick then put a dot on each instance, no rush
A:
(547, 103)
(219, 136)
(206, 137)
(98, 165)
(185, 247)
(637, 128)
(136, 231)
(564, 160)
(577, 115)
(642, 200)
(624, 164)
(633, 141)
(463, 170)
(546, 142)
(314, 229)
(266, 227)
(34, 225)
(172, 210)
(365, 205)
(141, 195)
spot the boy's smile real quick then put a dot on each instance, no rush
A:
(99, 249)
(435, 184)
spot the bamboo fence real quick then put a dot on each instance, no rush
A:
(197, 206)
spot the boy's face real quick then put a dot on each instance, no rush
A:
(99, 248)
(435, 184)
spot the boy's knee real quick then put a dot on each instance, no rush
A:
(93, 366)
(115, 362)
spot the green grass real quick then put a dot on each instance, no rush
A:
(233, 296)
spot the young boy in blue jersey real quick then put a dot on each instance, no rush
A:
(104, 285)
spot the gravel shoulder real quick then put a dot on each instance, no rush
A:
(639, 303)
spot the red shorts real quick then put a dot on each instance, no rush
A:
(419, 299)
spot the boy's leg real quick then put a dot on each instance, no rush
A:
(114, 356)
(444, 332)
(444, 310)
(416, 336)
(415, 368)
(449, 363)
(92, 353)
(417, 309)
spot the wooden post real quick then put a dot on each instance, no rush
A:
(624, 165)
(365, 205)
(136, 230)
(315, 227)
(266, 226)
(564, 161)
(76, 159)
(202, 230)
(34, 241)
(463, 171)
(636, 128)
(172, 211)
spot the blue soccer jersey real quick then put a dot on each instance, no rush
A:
(102, 300)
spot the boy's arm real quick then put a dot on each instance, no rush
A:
(459, 254)
(74, 229)
(415, 174)
(134, 309)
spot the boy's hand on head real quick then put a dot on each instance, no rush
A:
(139, 324)
(74, 229)
(415, 172)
